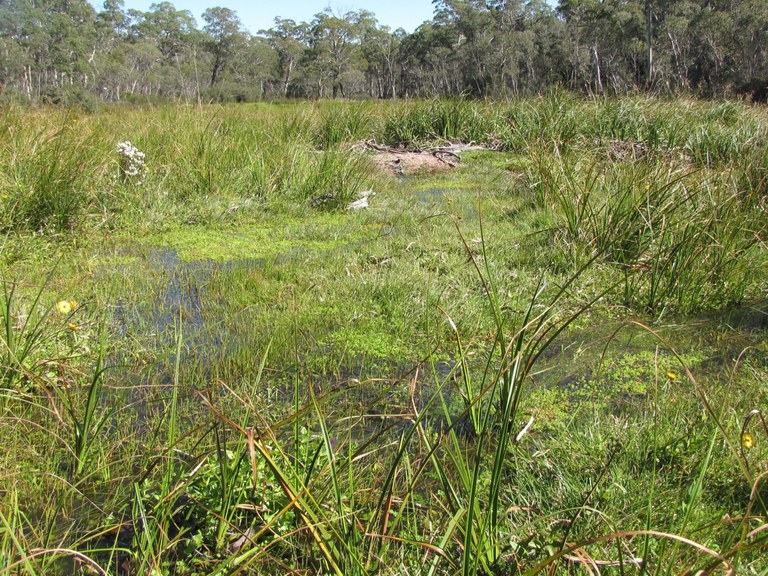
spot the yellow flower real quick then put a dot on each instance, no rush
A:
(63, 307)
(672, 375)
(747, 440)
(74, 327)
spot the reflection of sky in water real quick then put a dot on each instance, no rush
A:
(432, 195)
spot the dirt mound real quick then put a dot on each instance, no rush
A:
(403, 161)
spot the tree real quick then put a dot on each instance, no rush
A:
(334, 50)
(608, 43)
(381, 50)
(750, 43)
(712, 31)
(428, 64)
(226, 38)
(168, 28)
(289, 41)
(112, 21)
(56, 38)
(160, 51)
(496, 43)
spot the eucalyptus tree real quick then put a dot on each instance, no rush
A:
(429, 67)
(583, 18)
(731, 39)
(671, 45)
(168, 28)
(625, 41)
(253, 69)
(377, 55)
(111, 28)
(548, 65)
(20, 39)
(712, 31)
(470, 26)
(607, 41)
(671, 49)
(334, 57)
(54, 49)
(750, 43)
(709, 46)
(524, 34)
(54, 40)
(381, 53)
(111, 22)
(13, 65)
(161, 51)
(499, 46)
(333, 48)
(226, 38)
(289, 41)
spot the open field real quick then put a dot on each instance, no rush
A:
(540, 352)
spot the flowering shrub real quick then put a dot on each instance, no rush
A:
(131, 160)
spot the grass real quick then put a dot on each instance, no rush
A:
(545, 360)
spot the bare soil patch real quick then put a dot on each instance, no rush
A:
(401, 160)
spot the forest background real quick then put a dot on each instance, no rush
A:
(67, 52)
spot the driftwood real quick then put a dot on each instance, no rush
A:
(452, 148)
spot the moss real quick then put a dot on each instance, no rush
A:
(371, 343)
(274, 238)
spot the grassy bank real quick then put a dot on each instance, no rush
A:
(550, 356)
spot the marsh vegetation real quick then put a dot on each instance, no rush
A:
(550, 357)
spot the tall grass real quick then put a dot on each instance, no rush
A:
(62, 175)
(49, 172)
(442, 121)
(678, 236)
(339, 125)
(24, 333)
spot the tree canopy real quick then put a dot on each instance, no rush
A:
(60, 50)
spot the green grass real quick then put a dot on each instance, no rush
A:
(542, 361)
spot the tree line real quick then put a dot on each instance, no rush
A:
(65, 51)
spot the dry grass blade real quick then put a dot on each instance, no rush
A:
(78, 556)
(297, 498)
(549, 562)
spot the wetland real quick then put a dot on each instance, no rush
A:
(540, 348)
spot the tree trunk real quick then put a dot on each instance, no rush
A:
(598, 75)
(215, 72)
(649, 40)
(287, 79)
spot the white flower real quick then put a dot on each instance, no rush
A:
(131, 160)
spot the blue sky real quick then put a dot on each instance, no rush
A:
(258, 15)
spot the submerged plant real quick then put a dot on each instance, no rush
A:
(85, 420)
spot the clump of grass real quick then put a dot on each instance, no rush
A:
(440, 120)
(35, 337)
(344, 124)
(47, 176)
(674, 238)
(333, 176)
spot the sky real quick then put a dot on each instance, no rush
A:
(260, 15)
